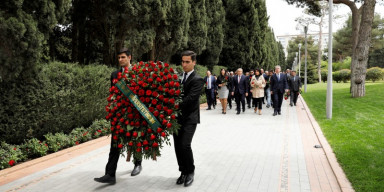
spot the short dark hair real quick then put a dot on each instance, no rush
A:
(189, 53)
(124, 50)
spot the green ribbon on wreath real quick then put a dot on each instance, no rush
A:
(148, 116)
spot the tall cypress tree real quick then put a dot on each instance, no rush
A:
(240, 34)
(215, 36)
(198, 27)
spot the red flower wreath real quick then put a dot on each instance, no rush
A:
(157, 87)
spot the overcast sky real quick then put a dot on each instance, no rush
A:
(282, 17)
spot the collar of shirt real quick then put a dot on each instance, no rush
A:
(188, 74)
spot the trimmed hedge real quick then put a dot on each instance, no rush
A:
(375, 74)
(61, 97)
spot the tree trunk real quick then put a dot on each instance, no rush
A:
(361, 51)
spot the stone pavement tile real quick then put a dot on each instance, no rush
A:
(246, 152)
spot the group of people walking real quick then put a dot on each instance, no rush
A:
(252, 89)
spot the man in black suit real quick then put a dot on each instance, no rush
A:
(240, 87)
(294, 86)
(210, 89)
(279, 86)
(124, 57)
(189, 118)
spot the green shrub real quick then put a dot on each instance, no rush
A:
(99, 128)
(375, 73)
(57, 141)
(10, 155)
(343, 75)
(80, 135)
(34, 148)
(61, 97)
(324, 75)
(217, 68)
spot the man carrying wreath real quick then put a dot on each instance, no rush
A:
(124, 57)
(189, 118)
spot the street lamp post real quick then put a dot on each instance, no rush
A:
(329, 78)
(305, 65)
(299, 57)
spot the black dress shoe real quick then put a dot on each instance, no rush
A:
(295, 104)
(209, 109)
(279, 113)
(238, 113)
(275, 113)
(181, 179)
(243, 110)
(291, 104)
(249, 107)
(136, 170)
(106, 179)
(214, 107)
(189, 179)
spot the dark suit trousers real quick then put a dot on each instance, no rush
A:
(229, 100)
(210, 93)
(249, 99)
(114, 154)
(295, 95)
(277, 100)
(184, 154)
(240, 98)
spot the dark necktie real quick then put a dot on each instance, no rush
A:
(185, 78)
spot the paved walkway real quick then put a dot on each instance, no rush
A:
(246, 152)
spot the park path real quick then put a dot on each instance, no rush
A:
(246, 152)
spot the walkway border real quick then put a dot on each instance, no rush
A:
(341, 178)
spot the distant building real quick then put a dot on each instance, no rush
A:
(284, 39)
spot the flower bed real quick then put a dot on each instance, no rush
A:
(10, 155)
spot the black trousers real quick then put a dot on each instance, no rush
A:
(114, 154)
(249, 100)
(258, 102)
(295, 95)
(229, 100)
(210, 93)
(183, 149)
(277, 100)
(240, 98)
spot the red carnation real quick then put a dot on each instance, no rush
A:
(134, 134)
(99, 130)
(130, 143)
(156, 113)
(166, 85)
(165, 78)
(163, 134)
(128, 134)
(115, 137)
(155, 144)
(121, 130)
(172, 101)
(159, 107)
(158, 79)
(176, 106)
(166, 100)
(146, 148)
(161, 97)
(177, 92)
(150, 80)
(151, 109)
(177, 84)
(11, 162)
(143, 133)
(173, 117)
(169, 125)
(161, 116)
(138, 149)
(166, 90)
(141, 92)
(166, 65)
(137, 124)
(149, 130)
(161, 74)
(153, 137)
(172, 92)
(130, 116)
(169, 76)
(160, 88)
(147, 100)
(166, 71)
(149, 92)
(155, 94)
(175, 76)
(159, 130)
(154, 101)
(145, 142)
(164, 121)
(171, 70)
(138, 144)
(172, 83)
(120, 146)
(77, 142)
(126, 122)
(169, 111)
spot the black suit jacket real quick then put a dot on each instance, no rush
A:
(190, 105)
(279, 85)
(114, 75)
(294, 85)
(241, 87)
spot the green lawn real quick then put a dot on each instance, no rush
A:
(355, 132)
